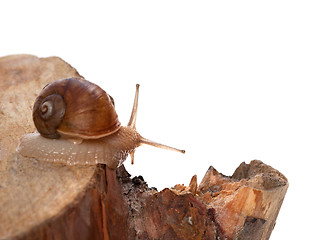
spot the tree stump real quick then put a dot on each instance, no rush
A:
(40, 200)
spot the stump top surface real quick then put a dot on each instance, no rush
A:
(31, 191)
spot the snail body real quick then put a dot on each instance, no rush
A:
(78, 124)
(109, 150)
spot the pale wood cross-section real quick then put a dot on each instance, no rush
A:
(40, 200)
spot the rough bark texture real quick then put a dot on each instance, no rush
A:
(40, 200)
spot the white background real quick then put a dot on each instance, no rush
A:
(229, 81)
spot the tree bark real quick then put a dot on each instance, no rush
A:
(40, 200)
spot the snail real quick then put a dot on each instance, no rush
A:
(77, 124)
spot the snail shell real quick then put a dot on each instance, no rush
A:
(75, 107)
(78, 124)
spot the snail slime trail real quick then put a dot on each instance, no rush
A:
(83, 130)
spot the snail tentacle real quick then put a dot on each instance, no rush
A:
(133, 116)
(142, 140)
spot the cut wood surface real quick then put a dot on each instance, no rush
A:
(22, 77)
(40, 200)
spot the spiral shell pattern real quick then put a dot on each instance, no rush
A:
(75, 107)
